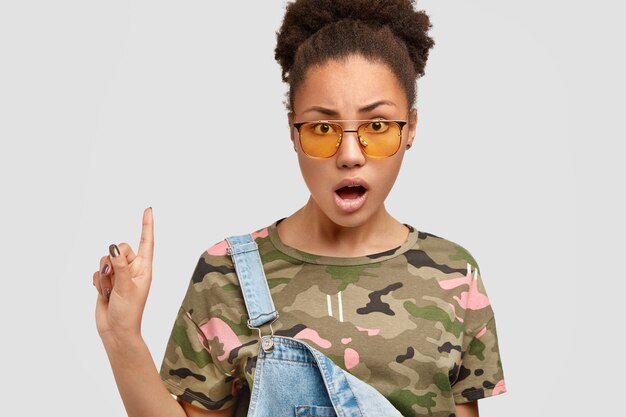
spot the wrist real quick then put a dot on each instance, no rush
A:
(115, 341)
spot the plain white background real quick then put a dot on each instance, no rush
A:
(109, 107)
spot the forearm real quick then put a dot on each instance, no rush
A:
(138, 380)
(469, 409)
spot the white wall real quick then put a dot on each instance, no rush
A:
(109, 107)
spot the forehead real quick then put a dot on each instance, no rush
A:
(348, 84)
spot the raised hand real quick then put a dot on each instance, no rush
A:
(124, 284)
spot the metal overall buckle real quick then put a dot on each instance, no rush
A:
(267, 344)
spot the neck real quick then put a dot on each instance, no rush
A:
(311, 230)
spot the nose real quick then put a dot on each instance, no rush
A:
(350, 153)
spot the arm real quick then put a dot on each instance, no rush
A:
(140, 385)
(138, 381)
(480, 355)
(122, 293)
(467, 409)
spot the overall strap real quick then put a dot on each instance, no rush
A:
(256, 294)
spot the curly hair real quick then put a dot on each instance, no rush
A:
(389, 31)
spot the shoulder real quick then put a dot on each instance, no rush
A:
(214, 280)
(219, 249)
(215, 260)
(457, 274)
(441, 253)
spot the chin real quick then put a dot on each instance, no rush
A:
(348, 221)
(341, 218)
(354, 219)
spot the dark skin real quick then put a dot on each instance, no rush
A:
(343, 90)
(344, 87)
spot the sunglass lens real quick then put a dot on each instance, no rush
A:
(320, 139)
(382, 139)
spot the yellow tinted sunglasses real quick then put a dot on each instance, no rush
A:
(379, 138)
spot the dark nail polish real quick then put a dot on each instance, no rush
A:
(105, 269)
(107, 293)
(114, 250)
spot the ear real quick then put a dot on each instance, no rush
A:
(412, 126)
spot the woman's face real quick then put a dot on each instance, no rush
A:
(354, 88)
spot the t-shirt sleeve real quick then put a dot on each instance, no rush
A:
(480, 374)
(190, 369)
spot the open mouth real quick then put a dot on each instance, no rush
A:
(351, 192)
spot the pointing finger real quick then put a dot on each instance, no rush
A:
(146, 245)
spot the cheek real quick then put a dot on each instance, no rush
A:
(314, 173)
(386, 173)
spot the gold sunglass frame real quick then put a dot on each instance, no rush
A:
(362, 142)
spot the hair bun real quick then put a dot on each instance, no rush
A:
(303, 18)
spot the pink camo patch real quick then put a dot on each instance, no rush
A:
(219, 249)
(472, 299)
(453, 283)
(261, 233)
(346, 340)
(481, 332)
(499, 388)
(216, 327)
(370, 332)
(351, 358)
(313, 336)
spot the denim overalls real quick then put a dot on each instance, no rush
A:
(292, 378)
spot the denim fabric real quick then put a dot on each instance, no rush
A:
(291, 377)
(245, 254)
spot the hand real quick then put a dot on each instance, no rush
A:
(123, 288)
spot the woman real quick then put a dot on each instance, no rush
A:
(401, 309)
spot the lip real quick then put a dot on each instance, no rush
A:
(354, 181)
(351, 205)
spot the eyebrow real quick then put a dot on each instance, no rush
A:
(368, 108)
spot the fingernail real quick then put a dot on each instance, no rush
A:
(107, 293)
(114, 250)
(105, 269)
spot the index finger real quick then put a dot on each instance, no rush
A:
(146, 244)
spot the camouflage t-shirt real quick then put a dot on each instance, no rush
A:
(414, 322)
